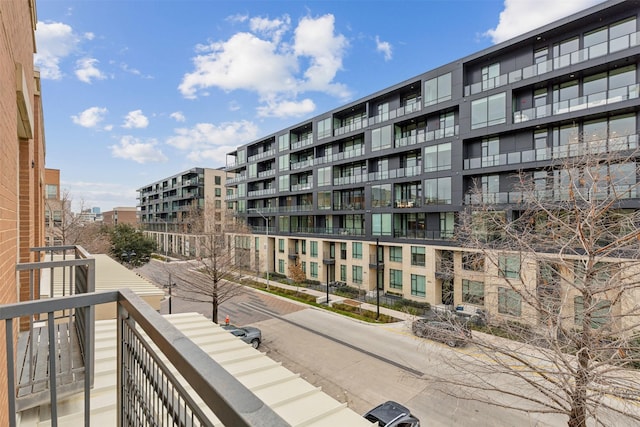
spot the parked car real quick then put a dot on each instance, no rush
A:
(449, 332)
(392, 414)
(248, 334)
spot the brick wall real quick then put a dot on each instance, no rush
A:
(19, 191)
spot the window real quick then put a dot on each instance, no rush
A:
(437, 191)
(418, 256)
(257, 244)
(281, 245)
(51, 191)
(218, 204)
(473, 262)
(488, 111)
(437, 157)
(343, 250)
(381, 138)
(324, 176)
(283, 142)
(395, 253)
(381, 225)
(509, 302)
(437, 89)
(304, 247)
(314, 249)
(324, 128)
(395, 279)
(490, 76)
(600, 312)
(283, 163)
(509, 266)
(218, 192)
(356, 249)
(381, 196)
(418, 285)
(314, 269)
(324, 200)
(343, 273)
(281, 266)
(472, 292)
(283, 183)
(562, 52)
(356, 272)
(218, 180)
(619, 34)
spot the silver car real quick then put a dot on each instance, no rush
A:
(392, 414)
(248, 334)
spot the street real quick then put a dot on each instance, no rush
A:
(358, 363)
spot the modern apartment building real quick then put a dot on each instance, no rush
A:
(22, 173)
(370, 193)
(171, 209)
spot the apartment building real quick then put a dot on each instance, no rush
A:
(173, 209)
(53, 207)
(370, 193)
(121, 215)
(22, 160)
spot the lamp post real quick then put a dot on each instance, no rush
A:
(377, 279)
(170, 285)
(267, 246)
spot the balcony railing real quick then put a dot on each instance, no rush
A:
(262, 155)
(263, 192)
(396, 173)
(304, 142)
(398, 112)
(426, 136)
(349, 154)
(357, 124)
(147, 390)
(423, 234)
(620, 43)
(616, 192)
(579, 103)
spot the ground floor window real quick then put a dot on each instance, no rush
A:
(343, 273)
(472, 292)
(600, 312)
(281, 266)
(509, 302)
(418, 285)
(356, 272)
(314, 270)
(395, 279)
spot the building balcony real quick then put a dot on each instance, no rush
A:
(353, 179)
(262, 155)
(302, 186)
(267, 173)
(615, 45)
(259, 193)
(339, 156)
(398, 112)
(356, 125)
(305, 142)
(236, 179)
(615, 192)
(395, 173)
(579, 103)
(426, 136)
(294, 208)
(423, 234)
(140, 367)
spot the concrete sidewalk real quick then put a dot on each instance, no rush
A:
(321, 298)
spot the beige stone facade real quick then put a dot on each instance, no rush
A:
(120, 215)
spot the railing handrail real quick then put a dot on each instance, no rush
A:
(230, 401)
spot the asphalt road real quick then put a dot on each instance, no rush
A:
(357, 363)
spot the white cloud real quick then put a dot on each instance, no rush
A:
(270, 64)
(213, 142)
(286, 108)
(131, 148)
(90, 117)
(135, 119)
(86, 70)
(385, 48)
(520, 16)
(55, 41)
(105, 195)
(178, 116)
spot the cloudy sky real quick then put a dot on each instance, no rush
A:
(138, 90)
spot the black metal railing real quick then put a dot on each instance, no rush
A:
(147, 393)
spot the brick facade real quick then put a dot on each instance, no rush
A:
(21, 159)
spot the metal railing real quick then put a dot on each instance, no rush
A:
(147, 392)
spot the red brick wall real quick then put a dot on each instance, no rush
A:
(20, 197)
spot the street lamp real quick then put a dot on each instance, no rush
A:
(170, 285)
(267, 251)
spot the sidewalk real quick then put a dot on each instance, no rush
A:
(321, 297)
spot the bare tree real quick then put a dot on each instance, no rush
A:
(562, 274)
(296, 274)
(222, 255)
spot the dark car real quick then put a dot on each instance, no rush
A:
(247, 334)
(392, 414)
(451, 333)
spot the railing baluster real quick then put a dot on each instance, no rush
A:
(11, 371)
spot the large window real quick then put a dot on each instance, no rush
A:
(281, 266)
(437, 191)
(283, 183)
(356, 272)
(437, 89)
(343, 273)
(599, 311)
(472, 292)
(324, 176)
(314, 269)
(356, 250)
(509, 266)
(490, 75)
(395, 279)
(473, 261)
(343, 250)
(283, 163)
(418, 256)
(488, 111)
(283, 142)
(324, 200)
(437, 157)
(395, 253)
(314, 249)
(381, 138)
(418, 285)
(324, 128)
(51, 191)
(509, 302)
(281, 245)
(381, 196)
(381, 225)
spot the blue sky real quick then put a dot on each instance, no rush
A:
(138, 90)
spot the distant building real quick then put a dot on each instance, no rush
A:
(173, 207)
(53, 207)
(121, 215)
(89, 215)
